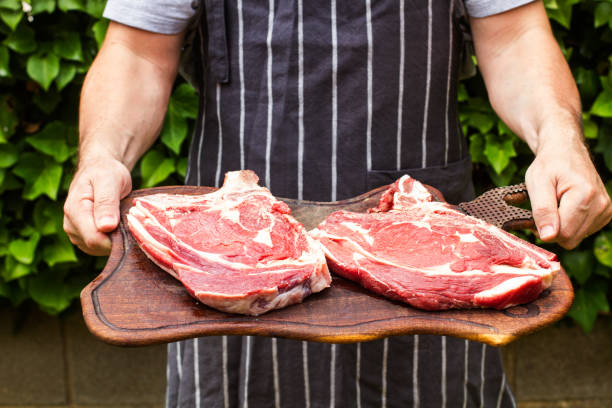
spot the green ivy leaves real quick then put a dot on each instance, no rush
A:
(54, 291)
(67, 45)
(588, 302)
(8, 155)
(183, 105)
(155, 168)
(43, 6)
(43, 60)
(174, 130)
(603, 14)
(52, 140)
(43, 68)
(57, 55)
(21, 40)
(499, 151)
(491, 142)
(5, 70)
(603, 104)
(23, 250)
(603, 248)
(560, 11)
(41, 174)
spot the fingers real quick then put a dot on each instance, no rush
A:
(92, 206)
(543, 197)
(84, 235)
(574, 219)
(105, 203)
(79, 224)
(583, 211)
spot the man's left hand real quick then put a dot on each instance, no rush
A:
(568, 198)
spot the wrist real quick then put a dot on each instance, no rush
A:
(100, 153)
(561, 130)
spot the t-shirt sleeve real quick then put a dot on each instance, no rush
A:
(484, 8)
(159, 16)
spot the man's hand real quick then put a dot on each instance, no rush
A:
(568, 199)
(92, 207)
(123, 103)
(531, 88)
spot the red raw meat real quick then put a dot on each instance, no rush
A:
(237, 249)
(431, 256)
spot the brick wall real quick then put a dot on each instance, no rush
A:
(56, 362)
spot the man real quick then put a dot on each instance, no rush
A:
(326, 100)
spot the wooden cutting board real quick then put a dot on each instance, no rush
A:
(133, 302)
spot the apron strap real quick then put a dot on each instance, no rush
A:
(218, 59)
(467, 69)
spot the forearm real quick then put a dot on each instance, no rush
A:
(125, 95)
(529, 82)
(531, 88)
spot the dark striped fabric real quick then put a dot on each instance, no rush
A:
(326, 100)
(408, 371)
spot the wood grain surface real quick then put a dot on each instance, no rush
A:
(133, 302)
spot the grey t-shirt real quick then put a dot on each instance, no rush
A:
(172, 16)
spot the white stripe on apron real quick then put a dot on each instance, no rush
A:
(501, 391)
(300, 163)
(247, 368)
(220, 134)
(448, 80)
(168, 380)
(443, 381)
(465, 373)
(241, 74)
(482, 374)
(511, 396)
(334, 129)
(203, 123)
(369, 84)
(332, 377)
(383, 397)
(196, 372)
(275, 372)
(306, 375)
(179, 365)
(358, 375)
(270, 96)
(415, 373)
(400, 98)
(225, 373)
(427, 86)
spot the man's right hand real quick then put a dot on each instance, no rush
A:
(91, 209)
(123, 103)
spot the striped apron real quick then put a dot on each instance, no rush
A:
(325, 100)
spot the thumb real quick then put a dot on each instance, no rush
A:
(106, 194)
(543, 197)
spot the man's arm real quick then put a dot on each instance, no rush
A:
(123, 102)
(531, 88)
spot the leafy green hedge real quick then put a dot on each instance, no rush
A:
(46, 47)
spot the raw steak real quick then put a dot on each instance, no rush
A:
(431, 256)
(237, 249)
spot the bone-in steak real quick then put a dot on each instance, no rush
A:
(237, 249)
(425, 253)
